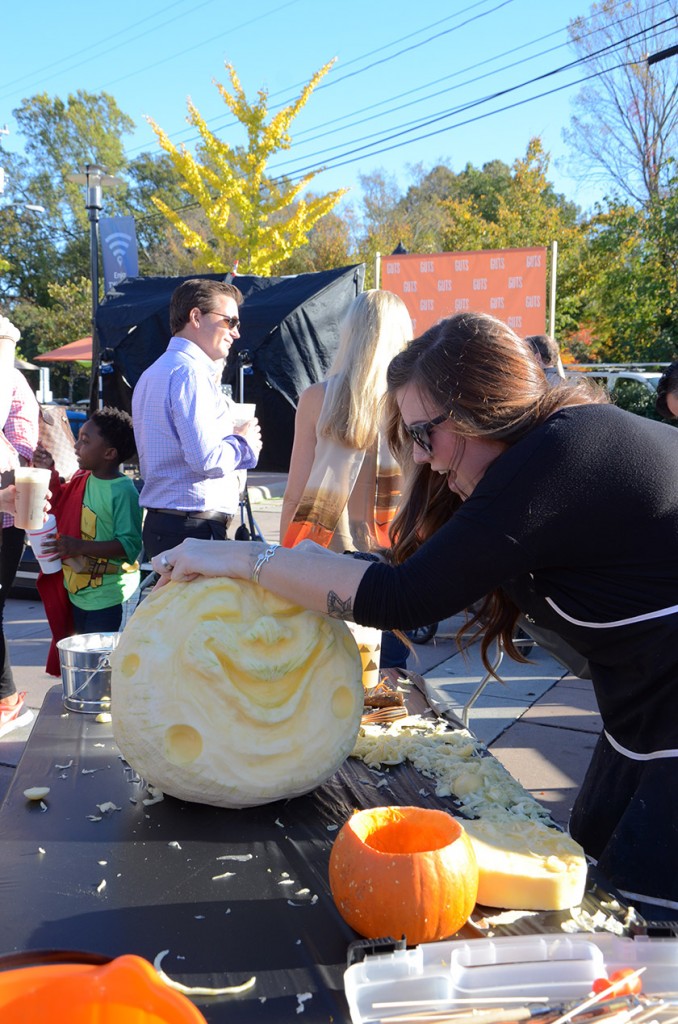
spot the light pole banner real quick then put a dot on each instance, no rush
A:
(118, 241)
(508, 283)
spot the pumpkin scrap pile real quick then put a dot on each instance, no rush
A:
(524, 861)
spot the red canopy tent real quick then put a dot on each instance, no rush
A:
(79, 351)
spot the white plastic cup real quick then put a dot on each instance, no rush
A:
(242, 413)
(37, 539)
(32, 485)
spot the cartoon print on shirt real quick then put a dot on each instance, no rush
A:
(82, 572)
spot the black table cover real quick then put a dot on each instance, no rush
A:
(146, 878)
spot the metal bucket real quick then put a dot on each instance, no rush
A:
(86, 671)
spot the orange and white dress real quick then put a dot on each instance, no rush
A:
(350, 497)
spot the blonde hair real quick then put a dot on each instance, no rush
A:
(376, 328)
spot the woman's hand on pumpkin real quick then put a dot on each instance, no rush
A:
(194, 558)
(307, 575)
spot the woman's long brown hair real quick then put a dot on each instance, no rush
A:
(473, 368)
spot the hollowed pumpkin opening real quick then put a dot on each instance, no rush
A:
(404, 871)
(397, 830)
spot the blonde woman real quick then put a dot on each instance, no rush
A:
(343, 485)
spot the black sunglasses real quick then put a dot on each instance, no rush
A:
(420, 432)
(232, 322)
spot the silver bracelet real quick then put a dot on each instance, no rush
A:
(261, 561)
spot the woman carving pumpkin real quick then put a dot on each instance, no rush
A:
(538, 499)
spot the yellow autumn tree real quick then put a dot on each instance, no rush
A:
(249, 216)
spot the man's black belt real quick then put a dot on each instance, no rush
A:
(219, 517)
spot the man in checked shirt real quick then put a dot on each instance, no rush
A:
(20, 429)
(188, 452)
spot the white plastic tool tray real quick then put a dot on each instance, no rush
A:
(561, 968)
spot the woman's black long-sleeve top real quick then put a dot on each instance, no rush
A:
(578, 523)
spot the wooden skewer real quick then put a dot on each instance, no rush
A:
(474, 1001)
(390, 714)
(508, 1016)
(596, 999)
(492, 1016)
(613, 1011)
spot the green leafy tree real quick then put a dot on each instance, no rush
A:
(160, 251)
(427, 201)
(626, 125)
(252, 218)
(629, 280)
(60, 136)
(43, 328)
(524, 211)
(385, 224)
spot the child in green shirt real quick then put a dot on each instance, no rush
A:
(98, 523)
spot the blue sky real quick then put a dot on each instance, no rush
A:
(399, 65)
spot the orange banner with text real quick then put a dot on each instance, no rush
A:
(508, 283)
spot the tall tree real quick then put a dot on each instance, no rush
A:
(625, 130)
(385, 225)
(63, 318)
(253, 218)
(60, 136)
(628, 278)
(330, 245)
(525, 211)
(160, 251)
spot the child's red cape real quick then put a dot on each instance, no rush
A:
(67, 502)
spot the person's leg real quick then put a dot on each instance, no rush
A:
(10, 555)
(393, 651)
(97, 620)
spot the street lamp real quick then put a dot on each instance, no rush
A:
(95, 179)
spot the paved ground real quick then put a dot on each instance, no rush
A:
(540, 722)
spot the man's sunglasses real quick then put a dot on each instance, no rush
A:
(421, 432)
(232, 322)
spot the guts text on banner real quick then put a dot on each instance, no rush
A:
(508, 283)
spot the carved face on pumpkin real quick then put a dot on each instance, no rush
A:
(223, 693)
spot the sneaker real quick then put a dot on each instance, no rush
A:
(14, 717)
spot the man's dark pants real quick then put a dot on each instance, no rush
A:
(163, 531)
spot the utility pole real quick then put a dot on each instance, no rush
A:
(94, 178)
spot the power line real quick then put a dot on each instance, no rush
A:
(351, 158)
(437, 81)
(187, 207)
(414, 126)
(460, 124)
(117, 46)
(331, 126)
(331, 129)
(88, 48)
(189, 49)
(341, 78)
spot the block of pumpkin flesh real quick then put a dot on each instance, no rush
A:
(526, 865)
(224, 694)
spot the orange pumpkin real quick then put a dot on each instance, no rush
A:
(403, 871)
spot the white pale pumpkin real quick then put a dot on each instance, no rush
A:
(223, 693)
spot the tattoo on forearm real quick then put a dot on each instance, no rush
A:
(339, 609)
